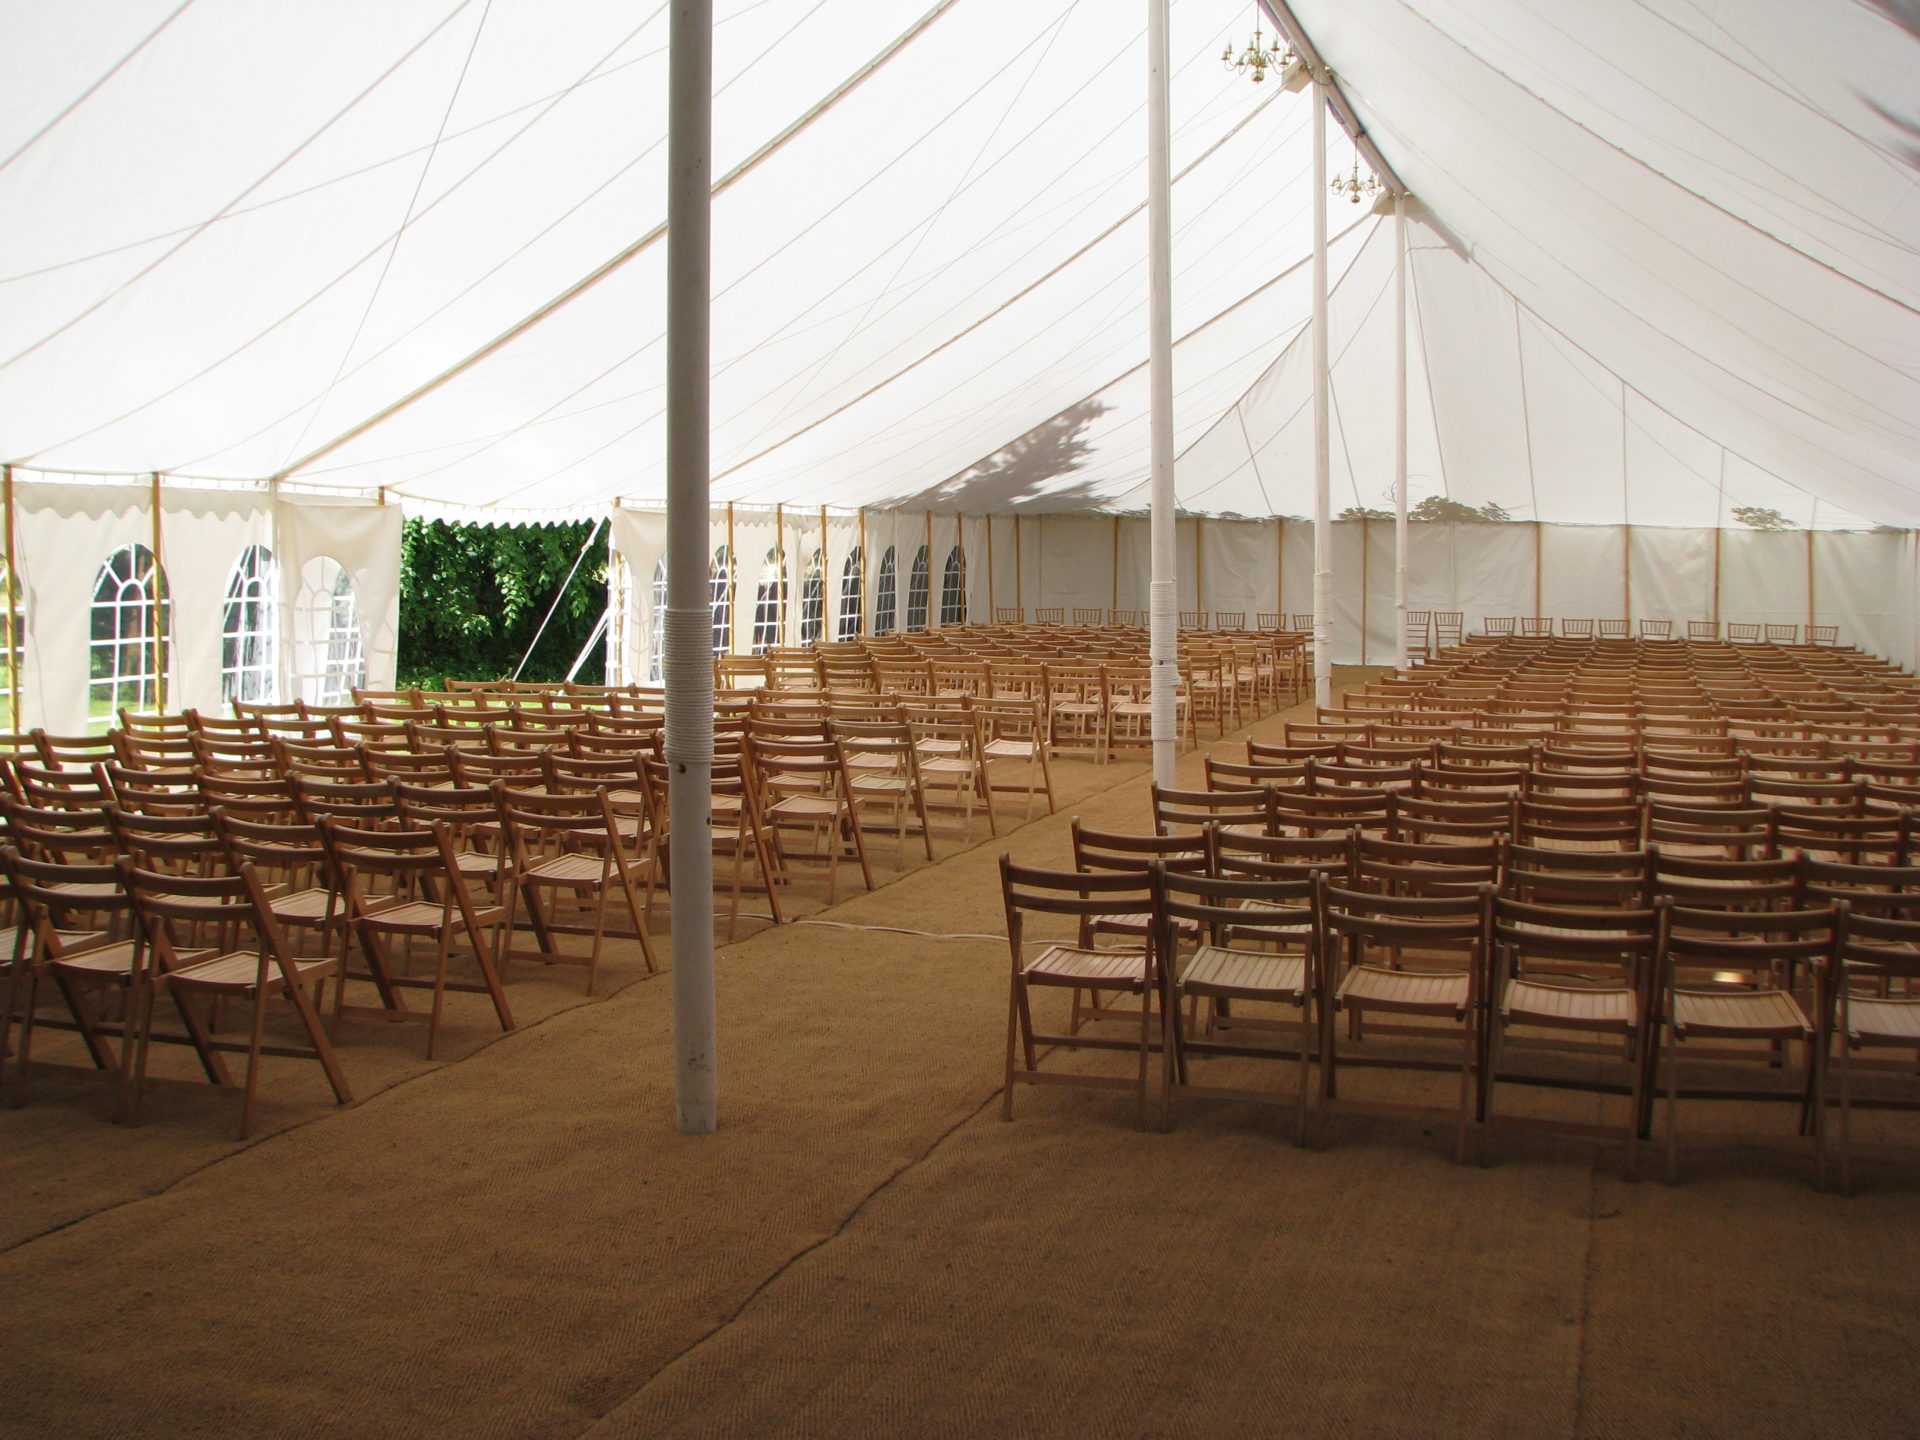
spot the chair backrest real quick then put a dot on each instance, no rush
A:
(1616, 944)
(1401, 867)
(1026, 890)
(269, 845)
(178, 843)
(1718, 883)
(1422, 819)
(1266, 910)
(1232, 775)
(1196, 809)
(48, 889)
(1238, 852)
(1601, 878)
(1431, 931)
(1110, 850)
(366, 803)
(48, 833)
(158, 792)
(1748, 949)
(162, 900)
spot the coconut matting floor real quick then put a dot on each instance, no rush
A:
(514, 1241)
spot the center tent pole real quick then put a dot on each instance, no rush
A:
(688, 667)
(1400, 428)
(1163, 638)
(1322, 483)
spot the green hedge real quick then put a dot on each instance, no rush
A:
(472, 596)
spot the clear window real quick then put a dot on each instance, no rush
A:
(917, 592)
(13, 635)
(346, 653)
(770, 603)
(247, 628)
(720, 596)
(953, 588)
(852, 596)
(127, 648)
(619, 597)
(813, 599)
(657, 628)
(883, 596)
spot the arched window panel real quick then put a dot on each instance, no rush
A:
(953, 588)
(884, 595)
(127, 649)
(852, 596)
(917, 591)
(720, 597)
(345, 667)
(813, 599)
(248, 626)
(13, 635)
(657, 624)
(619, 601)
(770, 603)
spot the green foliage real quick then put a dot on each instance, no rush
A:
(1442, 507)
(1364, 512)
(1761, 518)
(472, 597)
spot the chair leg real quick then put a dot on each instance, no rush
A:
(1015, 1014)
(1673, 1104)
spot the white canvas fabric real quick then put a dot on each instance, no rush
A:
(1663, 258)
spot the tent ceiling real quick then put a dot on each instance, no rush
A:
(1671, 266)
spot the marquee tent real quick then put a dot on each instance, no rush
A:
(314, 266)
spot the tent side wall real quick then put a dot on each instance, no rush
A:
(337, 582)
(330, 573)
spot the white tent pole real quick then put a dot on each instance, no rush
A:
(1163, 616)
(599, 634)
(1322, 479)
(1400, 428)
(688, 669)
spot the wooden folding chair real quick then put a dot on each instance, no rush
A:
(1012, 732)
(1572, 980)
(1420, 963)
(1253, 944)
(404, 886)
(1730, 988)
(570, 848)
(1079, 968)
(1871, 1002)
(167, 905)
(807, 809)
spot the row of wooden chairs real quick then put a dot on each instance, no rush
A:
(1540, 626)
(144, 904)
(1463, 961)
(1265, 621)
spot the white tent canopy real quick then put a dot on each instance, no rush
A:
(1664, 259)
